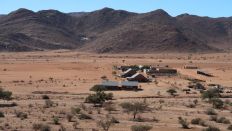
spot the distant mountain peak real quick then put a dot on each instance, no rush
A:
(159, 12)
(22, 11)
(106, 9)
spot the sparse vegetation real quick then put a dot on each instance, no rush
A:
(134, 108)
(184, 123)
(41, 127)
(45, 97)
(2, 114)
(172, 92)
(98, 88)
(21, 115)
(83, 116)
(210, 94)
(141, 128)
(106, 123)
(229, 127)
(217, 103)
(56, 120)
(48, 103)
(223, 120)
(5, 95)
(211, 128)
(99, 97)
(75, 110)
(211, 111)
(198, 121)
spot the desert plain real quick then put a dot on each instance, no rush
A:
(67, 76)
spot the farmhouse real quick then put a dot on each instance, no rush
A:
(125, 68)
(190, 67)
(129, 85)
(205, 73)
(124, 85)
(161, 72)
(138, 77)
(110, 85)
(130, 72)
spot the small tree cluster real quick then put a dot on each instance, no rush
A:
(210, 94)
(99, 97)
(5, 95)
(134, 108)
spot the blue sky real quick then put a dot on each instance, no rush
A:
(212, 8)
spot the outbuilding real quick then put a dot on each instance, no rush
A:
(138, 77)
(129, 85)
(128, 73)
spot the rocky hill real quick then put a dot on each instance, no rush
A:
(113, 31)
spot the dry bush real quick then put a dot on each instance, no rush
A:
(184, 123)
(141, 128)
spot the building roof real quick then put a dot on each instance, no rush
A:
(127, 71)
(137, 74)
(129, 83)
(109, 83)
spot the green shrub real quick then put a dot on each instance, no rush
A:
(217, 103)
(99, 97)
(229, 127)
(196, 121)
(106, 123)
(36, 126)
(21, 115)
(84, 116)
(2, 114)
(184, 123)
(48, 103)
(75, 110)
(211, 129)
(41, 127)
(5, 95)
(45, 128)
(114, 120)
(210, 94)
(213, 118)
(223, 120)
(172, 91)
(45, 97)
(141, 128)
(56, 120)
(98, 88)
(211, 111)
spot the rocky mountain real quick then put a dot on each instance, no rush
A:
(113, 31)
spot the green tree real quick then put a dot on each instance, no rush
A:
(134, 108)
(172, 92)
(210, 94)
(99, 97)
(217, 103)
(5, 95)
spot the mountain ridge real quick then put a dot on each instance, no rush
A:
(113, 31)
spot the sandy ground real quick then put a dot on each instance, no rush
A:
(69, 75)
